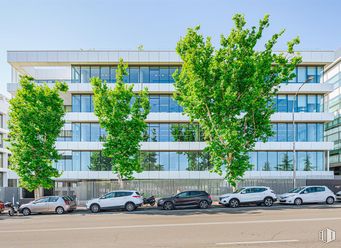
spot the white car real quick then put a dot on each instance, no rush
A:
(121, 199)
(308, 194)
(338, 196)
(255, 194)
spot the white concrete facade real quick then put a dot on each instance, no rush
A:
(3, 146)
(56, 65)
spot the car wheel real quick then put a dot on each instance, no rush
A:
(234, 203)
(11, 212)
(168, 206)
(268, 201)
(130, 206)
(203, 204)
(330, 200)
(298, 201)
(95, 208)
(26, 212)
(60, 210)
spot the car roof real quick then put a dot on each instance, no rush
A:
(246, 187)
(122, 190)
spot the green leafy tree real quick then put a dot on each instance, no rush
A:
(124, 122)
(36, 118)
(308, 165)
(98, 162)
(228, 90)
(286, 164)
(266, 166)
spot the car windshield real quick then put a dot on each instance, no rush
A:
(238, 190)
(296, 190)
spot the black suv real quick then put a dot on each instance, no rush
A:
(193, 198)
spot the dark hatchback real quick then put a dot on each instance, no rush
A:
(193, 198)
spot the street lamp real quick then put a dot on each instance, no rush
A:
(294, 133)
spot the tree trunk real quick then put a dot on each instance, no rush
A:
(120, 180)
(38, 193)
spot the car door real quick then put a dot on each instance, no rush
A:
(259, 194)
(121, 198)
(52, 203)
(307, 195)
(194, 197)
(182, 199)
(107, 200)
(321, 194)
(246, 195)
(40, 205)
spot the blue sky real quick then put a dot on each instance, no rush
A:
(157, 24)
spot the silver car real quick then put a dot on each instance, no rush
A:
(49, 204)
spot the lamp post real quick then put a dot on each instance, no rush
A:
(294, 134)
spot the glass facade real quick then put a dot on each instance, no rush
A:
(166, 103)
(158, 103)
(303, 103)
(186, 132)
(136, 74)
(305, 132)
(163, 74)
(194, 161)
(283, 161)
(1, 121)
(150, 161)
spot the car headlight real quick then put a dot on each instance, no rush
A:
(288, 196)
(161, 201)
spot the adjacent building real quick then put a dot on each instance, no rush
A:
(4, 179)
(176, 158)
(332, 75)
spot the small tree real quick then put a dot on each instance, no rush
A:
(123, 118)
(266, 166)
(308, 165)
(228, 90)
(36, 118)
(286, 164)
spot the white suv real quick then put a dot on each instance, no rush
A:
(124, 199)
(246, 195)
(308, 194)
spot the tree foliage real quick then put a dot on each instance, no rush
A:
(228, 90)
(36, 118)
(308, 165)
(123, 117)
(286, 164)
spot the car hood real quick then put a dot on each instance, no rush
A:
(287, 194)
(226, 195)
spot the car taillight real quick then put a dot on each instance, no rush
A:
(136, 196)
(209, 197)
(67, 202)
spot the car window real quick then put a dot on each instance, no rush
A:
(259, 190)
(183, 195)
(248, 191)
(296, 190)
(109, 195)
(320, 189)
(238, 190)
(195, 193)
(53, 198)
(42, 200)
(123, 193)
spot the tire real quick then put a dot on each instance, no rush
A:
(298, 201)
(130, 206)
(11, 212)
(95, 208)
(234, 203)
(268, 202)
(203, 204)
(330, 200)
(168, 205)
(26, 212)
(60, 210)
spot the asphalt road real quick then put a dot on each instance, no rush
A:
(278, 226)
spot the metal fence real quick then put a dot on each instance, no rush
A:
(9, 193)
(86, 190)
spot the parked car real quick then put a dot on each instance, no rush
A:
(308, 194)
(120, 199)
(193, 198)
(2, 207)
(338, 196)
(49, 204)
(247, 195)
